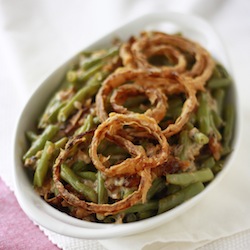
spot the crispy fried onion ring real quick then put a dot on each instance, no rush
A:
(106, 209)
(155, 96)
(139, 159)
(171, 85)
(123, 76)
(135, 54)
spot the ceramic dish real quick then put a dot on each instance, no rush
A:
(42, 213)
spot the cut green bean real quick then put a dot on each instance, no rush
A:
(145, 214)
(218, 166)
(109, 219)
(219, 95)
(55, 104)
(203, 115)
(52, 117)
(229, 128)
(43, 164)
(198, 137)
(70, 177)
(179, 197)
(158, 185)
(83, 76)
(218, 122)
(37, 145)
(219, 83)
(61, 143)
(208, 163)
(80, 166)
(133, 102)
(88, 175)
(142, 207)
(90, 62)
(171, 189)
(87, 91)
(31, 136)
(185, 142)
(87, 125)
(185, 179)
(102, 193)
(130, 218)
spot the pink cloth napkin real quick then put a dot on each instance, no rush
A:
(16, 230)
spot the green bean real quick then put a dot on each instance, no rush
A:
(218, 122)
(80, 166)
(217, 167)
(229, 114)
(187, 178)
(142, 207)
(88, 175)
(61, 143)
(31, 136)
(70, 177)
(43, 164)
(108, 148)
(130, 218)
(50, 113)
(198, 137)
(220, 78)
(87, 125)
(102, 193)
(171, 189)
(214, 129)
(52, 117)
(186, 142)
(219, 83)
(222, 72)
(175, 102)
(132, 102)
(157, 186)
(87, 91)
(90, 62)
(37, 145)
(179, 197)
(203, 115)
(109, 219)
(145, 214)
(83, 76)
(216, 72)
(175, 107)
(208, 163)
(219, 95)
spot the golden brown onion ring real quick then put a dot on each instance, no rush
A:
(156, 97)
(200, 71)
(113, 81)
(139, 161)
(106, 209)
(170, 85)
(175, 56)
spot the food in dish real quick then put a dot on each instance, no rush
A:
(133, 131)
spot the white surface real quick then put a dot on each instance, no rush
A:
(33, 36)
